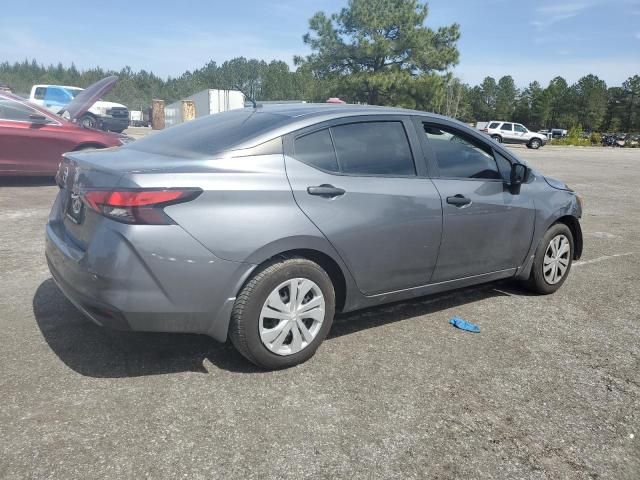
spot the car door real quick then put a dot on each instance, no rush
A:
(486, 227)
(506, 132)
(520, 133)
(359, 182)
(30, 141)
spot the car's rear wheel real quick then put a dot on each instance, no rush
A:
(552, 260)
(283, 313)
(497, 138)
(535, 143)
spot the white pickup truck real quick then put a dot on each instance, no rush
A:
(109, 116)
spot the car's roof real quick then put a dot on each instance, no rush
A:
(291, 117)
(314, 109)
(246, 128)
(54, 85)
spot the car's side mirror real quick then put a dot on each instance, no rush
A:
(519, 175)
(38, 119)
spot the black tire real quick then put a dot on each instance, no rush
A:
(497, 138)
(88, 121)
(537, 282)
(535, 143)
(245, 316)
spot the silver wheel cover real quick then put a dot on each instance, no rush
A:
(556, 259)
(292, 316)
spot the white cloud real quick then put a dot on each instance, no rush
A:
(548, 21)
(638, 35)
(563, 9)
(553, 13)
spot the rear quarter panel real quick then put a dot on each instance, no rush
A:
(246, 212)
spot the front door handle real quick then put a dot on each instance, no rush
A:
(459, 200)
(325, 190)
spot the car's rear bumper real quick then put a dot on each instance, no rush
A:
(119, 287)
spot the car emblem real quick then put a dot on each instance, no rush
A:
(65, 174)
(76, 203)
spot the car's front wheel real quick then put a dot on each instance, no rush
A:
(88, 121)
(552, 260)
(283, 313)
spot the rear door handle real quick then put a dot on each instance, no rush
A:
(325, 190)
(459, 200)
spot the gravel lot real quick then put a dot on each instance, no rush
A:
(549, 389)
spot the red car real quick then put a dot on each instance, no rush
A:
(32, 139)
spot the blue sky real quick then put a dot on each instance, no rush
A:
(527, 39)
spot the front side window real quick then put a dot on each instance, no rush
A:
(40, 93)
(316, 149)
(459, 155)
(519, 128)
(373, 148)
(507, 127)
(15, 111)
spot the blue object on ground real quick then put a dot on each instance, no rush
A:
(464, 325)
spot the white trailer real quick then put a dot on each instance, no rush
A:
(206, 102)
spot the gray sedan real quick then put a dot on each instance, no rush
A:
(259, 225)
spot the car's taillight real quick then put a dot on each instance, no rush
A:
(58, 176)
(140, 206)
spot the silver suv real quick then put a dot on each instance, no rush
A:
(509, 132)
(259, 224)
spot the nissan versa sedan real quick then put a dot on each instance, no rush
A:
(259, 225)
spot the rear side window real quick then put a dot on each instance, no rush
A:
(494, 125)
(459, 155)
(508, 127)
(373, 148)
(39, 93)
(316, 149)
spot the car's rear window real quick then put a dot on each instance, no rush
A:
(494, 125)
(208, 135)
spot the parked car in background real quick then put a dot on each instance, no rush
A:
(138, 118)
(509, 132)
(558, 133)
(5, 88)
(546, 133)
(110, 116)
(33, 139)
(259, 224)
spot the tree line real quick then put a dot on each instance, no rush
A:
(378, 52)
